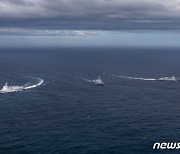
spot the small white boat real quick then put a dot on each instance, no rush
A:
(98, 81)
(8, 89)
(168, 78)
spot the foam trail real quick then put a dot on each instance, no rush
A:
(36, 85)
(86, 80)
(10, 89)
(133, 78)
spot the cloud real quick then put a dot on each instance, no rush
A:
(90, 14)
(20, 31)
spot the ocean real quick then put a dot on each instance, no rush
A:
(67, 114)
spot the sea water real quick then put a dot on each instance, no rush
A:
(69, 114)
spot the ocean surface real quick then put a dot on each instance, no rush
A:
(66, 114)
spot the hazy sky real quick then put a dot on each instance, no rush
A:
(89, 23)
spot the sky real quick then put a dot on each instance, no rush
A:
(69, 23)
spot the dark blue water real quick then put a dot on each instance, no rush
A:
(70, 115)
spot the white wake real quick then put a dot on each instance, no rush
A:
(10, 89)
(134, 78)
(86, 80)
